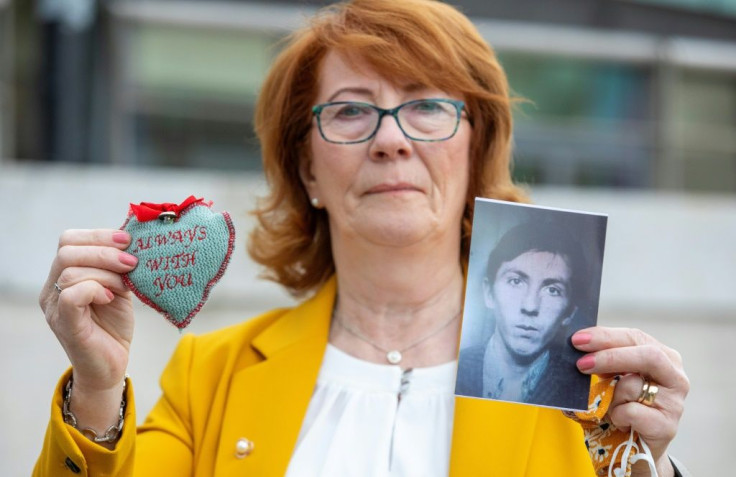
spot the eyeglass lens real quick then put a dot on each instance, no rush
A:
(421, 120)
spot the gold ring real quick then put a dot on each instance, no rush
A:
(648, 393)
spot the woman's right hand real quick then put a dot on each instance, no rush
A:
(92, 315)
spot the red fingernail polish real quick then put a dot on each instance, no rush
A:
(127, 259)
(586, 362)
(120, 237)
(581, 338)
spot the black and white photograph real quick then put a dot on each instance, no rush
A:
(534, 279)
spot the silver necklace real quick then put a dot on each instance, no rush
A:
(393, 356)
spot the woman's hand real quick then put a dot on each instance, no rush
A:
(636, 356)
(92, 315)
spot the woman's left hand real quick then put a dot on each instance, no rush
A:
(637, 357)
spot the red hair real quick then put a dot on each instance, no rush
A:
(422, 41)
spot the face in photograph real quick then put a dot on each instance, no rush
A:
(530, 297)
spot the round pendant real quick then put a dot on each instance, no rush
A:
(394, 357)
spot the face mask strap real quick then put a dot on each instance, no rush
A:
(601, 435)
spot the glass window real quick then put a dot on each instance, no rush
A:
(584, 122)
(5, 79)
(703, 125)
(726, 7)
(192, 94)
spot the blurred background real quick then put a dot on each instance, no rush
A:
(631, 113)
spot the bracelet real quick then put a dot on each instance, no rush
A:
(111, 434)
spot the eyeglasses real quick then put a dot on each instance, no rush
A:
(351, 122)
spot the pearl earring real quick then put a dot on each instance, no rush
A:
(315, 202)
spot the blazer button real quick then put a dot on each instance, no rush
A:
(72, 466)
(243, 448)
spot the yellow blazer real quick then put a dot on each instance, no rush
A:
(254, 380)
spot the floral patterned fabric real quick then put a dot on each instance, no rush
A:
(602, 438)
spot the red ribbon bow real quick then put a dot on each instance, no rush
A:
(147, 211)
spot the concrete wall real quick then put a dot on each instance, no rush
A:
(665, 251)
(49, 199)
(668, 269)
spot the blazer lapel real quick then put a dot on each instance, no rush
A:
(267, 409)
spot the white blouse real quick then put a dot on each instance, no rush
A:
(368, 419)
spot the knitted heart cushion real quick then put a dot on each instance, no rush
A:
(182, 250)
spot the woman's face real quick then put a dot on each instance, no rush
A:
(389, 190)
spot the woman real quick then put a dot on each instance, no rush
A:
(371, 214)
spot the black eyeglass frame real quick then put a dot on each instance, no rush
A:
(458, 104)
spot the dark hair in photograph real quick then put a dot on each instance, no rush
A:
(543, 237)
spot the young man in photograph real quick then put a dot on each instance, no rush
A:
(534, 284)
